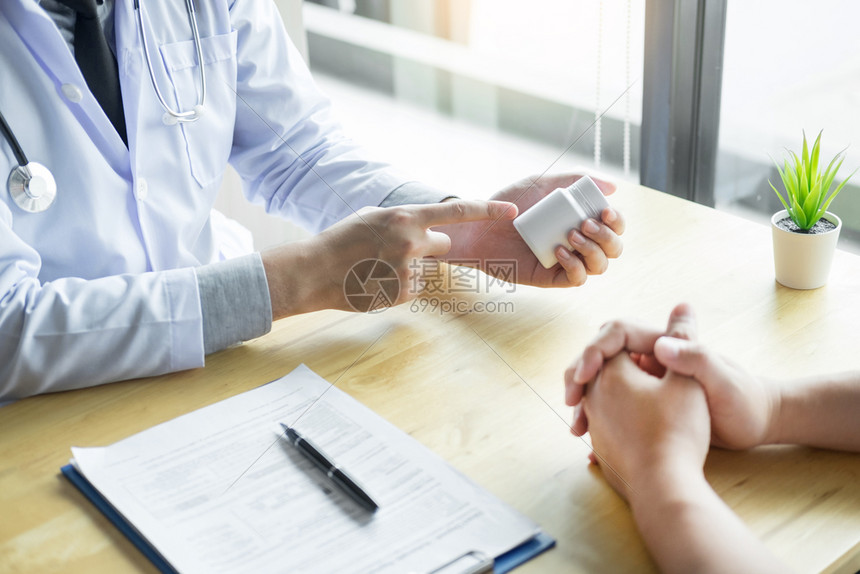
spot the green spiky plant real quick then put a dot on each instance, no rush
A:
(806, 187)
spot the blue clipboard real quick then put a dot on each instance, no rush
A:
(118, 520)
(502, 563)
(522, 553)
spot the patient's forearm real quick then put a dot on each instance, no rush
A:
(822, 411)
(688, 528)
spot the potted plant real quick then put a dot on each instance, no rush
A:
(805, 233)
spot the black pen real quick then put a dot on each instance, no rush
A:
(325, 464)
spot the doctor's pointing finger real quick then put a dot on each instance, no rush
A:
(397, 236)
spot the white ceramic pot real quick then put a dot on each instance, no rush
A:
(801, 260)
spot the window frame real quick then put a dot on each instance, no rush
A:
(682, 83)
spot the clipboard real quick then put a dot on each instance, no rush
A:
(117, 519)
(141, 484)
(498, 565)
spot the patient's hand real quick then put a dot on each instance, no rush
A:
(644, 428)
(743, 408)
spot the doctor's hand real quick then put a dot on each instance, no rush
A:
(743, 408)
(310, 275)
(595, 243)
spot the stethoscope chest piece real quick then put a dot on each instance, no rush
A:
(32, 187)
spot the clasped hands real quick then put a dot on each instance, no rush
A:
(654, 400)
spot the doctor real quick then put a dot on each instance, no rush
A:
(126, 271)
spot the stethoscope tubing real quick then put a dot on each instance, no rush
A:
(17, 150)
(180, 116)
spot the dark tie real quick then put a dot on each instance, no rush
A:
(97, 62)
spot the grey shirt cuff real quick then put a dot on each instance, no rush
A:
(235, 302)
(412, 193)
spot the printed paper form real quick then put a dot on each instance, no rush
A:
(172, 480)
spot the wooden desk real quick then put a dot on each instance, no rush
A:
(467, 386)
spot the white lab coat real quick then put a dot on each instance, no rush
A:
(101, 287)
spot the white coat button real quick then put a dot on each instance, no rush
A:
(72, 93)
(142, 189)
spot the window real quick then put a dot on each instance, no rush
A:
(517, 85)
(789, 65)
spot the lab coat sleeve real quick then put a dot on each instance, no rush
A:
(72, 333)
(291, 154)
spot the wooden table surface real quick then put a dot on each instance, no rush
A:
(484, 390)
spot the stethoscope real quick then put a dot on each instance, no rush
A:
(32, 186)
(172, 116)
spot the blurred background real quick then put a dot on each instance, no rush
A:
(692, 97)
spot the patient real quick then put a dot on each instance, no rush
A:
(653, 401)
